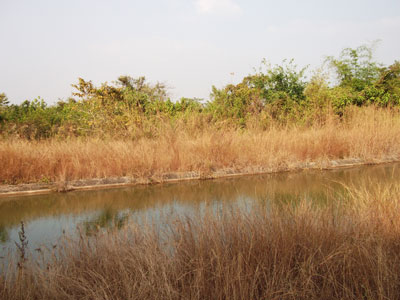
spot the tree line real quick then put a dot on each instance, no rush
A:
(273, 94)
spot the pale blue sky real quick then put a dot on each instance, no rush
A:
(187, 44)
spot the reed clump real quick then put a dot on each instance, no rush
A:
(346, 249)
(368, 133)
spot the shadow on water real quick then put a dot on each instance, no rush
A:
(47, 216)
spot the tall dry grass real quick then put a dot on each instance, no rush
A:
(348, 249)
(366, 133)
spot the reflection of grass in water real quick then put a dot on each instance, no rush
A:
(107, 219)
(3, 234)
(315, 199)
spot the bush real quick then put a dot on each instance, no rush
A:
(280, 94)
(279, 89)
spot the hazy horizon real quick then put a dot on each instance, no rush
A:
(188, 44)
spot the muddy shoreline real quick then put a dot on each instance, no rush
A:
(105, 183)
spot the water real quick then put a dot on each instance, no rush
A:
(47, 217)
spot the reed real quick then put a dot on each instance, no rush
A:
(368, 133)
(346, 249)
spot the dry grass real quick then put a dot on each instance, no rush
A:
(348, 249)
(369, 134)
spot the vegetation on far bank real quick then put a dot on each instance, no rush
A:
(133, 108)
(368, 133)
(274, 119)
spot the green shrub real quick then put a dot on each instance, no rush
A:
(355, 68)
(278, 89)
(280, 94)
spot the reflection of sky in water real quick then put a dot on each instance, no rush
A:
(47, 216)
(45, 230)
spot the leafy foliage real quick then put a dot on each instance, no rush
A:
(277, 88)
(355, 68)
(280, 94)
(3, 104)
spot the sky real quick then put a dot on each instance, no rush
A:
(190, 45)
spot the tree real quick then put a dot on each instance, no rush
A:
(3, 100)
(389, 79)
(355, 68)
(280, 81)
(3, 104)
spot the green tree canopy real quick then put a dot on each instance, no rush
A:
(355, 68)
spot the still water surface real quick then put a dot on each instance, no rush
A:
(48, 216)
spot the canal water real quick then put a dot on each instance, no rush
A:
(48, 217)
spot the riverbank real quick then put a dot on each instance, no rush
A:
(105, 183)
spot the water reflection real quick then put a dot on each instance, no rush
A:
(3, 234)
(47, 216)
(106, 219)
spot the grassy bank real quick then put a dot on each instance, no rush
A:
(368, 133)
(348, 249)
(274, 119)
